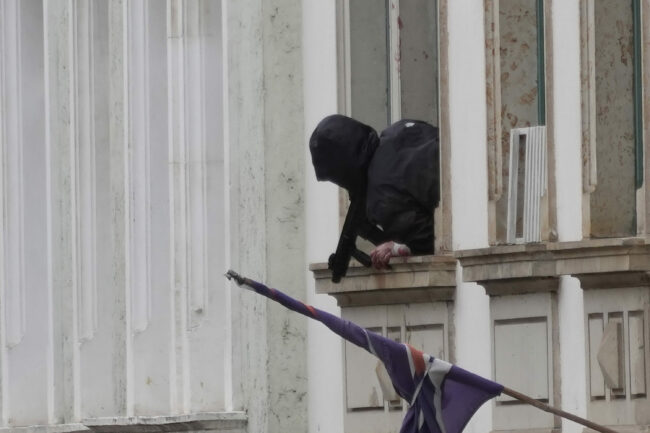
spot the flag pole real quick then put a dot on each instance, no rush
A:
(546, 408)
(309, 311)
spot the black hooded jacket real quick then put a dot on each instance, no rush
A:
(397, 173)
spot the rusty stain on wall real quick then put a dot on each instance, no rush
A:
(613, 203)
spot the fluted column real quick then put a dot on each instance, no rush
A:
(23, 239)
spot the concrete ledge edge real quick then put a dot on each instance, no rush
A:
(213, 421)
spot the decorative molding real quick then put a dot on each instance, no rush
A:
(523, 342)
(411, 280)
(12, 172)
(616, 324)
(594, 329)
(525, 332)
(85, 185)
(139, 164)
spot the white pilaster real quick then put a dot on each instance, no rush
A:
(326, 407)
(469, 185)
(59, 140)
(180, 385)
(85, 198)
(14, 278)
(139, 164)
(98, 208)
(569, 181)
(151, 297)
(245, 207)
(23, 223)
(195, 148)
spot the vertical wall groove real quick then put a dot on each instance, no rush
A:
(84, 111)
(3, 351)
(139, 144)
(14, 279)
(178, 244)
(194, 145)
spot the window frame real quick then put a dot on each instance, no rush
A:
(442, 214)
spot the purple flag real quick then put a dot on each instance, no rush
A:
(442, 397)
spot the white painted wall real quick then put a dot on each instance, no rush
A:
(325, 356)
(568, 163)
(205, 314)
(469, 186)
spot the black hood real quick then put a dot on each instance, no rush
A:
(341, 150)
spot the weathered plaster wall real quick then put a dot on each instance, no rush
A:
(266, 157)
(325, 369)
(285, 212)
(613, 203)
(245, 211)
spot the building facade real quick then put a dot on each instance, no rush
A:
(147, 146)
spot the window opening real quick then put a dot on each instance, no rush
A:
(393, 61)
(521, 85)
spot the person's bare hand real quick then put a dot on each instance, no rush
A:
(381, 255)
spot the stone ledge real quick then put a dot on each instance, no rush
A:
(54, 428)
(414, 279)
(598, 263)
(208, 421)
(623, 429)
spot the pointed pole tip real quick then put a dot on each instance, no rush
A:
(232, 275)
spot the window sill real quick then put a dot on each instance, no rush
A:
(530, 268)
(410, 280)
(208, 421)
